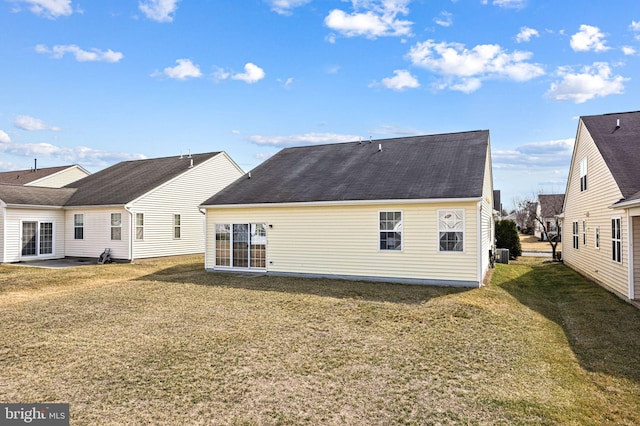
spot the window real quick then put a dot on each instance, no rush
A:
(597, 239)
(451, 230)
(37, 238)
(583, 175)
(576, 239)
(78, 226)
(390, 229)
(616, 240)
(241, 245)
(177, 231)
(139, 226)
(584, 232)
(116, 226)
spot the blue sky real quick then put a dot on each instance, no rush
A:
(94, 83)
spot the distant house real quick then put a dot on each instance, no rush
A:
(138, 209)
(50, 177)
(602, 204)
(548, 209)
(414, 209)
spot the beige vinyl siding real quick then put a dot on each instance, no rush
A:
(592, 206)
(13, 232)
(97, 233)
(182, 195)
(344, 240)
(60, 179)
(486, 217)
(2, 233)
(636, 257)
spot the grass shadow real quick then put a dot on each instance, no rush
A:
(602, 329)
(194, 273)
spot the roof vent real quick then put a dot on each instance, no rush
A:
(618, 123)
(181, 156)
(379, 147)
(189, 153)
(369, 138)
(191, 163)
(249, 175)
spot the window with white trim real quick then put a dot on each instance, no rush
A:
(390, 230)
(597, 237)
(583, 174)
(78, 226)
(616, 239)
(37, 238)
(576, 238)
(139, 226)
(451, 230)
(584, 232)
(116, 226)
(177, 228)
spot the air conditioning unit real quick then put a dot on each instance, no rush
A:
(502, 256)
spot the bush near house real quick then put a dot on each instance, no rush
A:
(507, 237)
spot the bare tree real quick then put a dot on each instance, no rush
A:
(525, 214)
(545, 213)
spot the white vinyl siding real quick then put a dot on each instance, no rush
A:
(181, 196)
(298, 241)
(13, 233)
(97, 233)
(60, 179)
(594, 206)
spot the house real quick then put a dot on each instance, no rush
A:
(413, 209)
(548, 209)
(602, 203)
(138, 209)
(50, 177)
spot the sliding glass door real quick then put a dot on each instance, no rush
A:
(241, 245)
(37, 238)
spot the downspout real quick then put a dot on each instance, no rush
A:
(206, 242)
(3, 209)
(131, 231)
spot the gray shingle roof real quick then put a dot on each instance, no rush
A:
(619, 146)
(420, 167)
(22, 177)
(128, 180)
(34, 195)
(550, 204)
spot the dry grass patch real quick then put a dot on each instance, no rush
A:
(164, 342)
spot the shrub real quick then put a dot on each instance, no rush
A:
(507, 237)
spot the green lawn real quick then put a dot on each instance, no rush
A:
(163, 342)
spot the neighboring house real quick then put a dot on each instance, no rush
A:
(138, 209)
(601, 224)
(548, 209)
(414, 209)
(50, 177)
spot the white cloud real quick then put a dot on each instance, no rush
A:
(507, 4)
(525, 34)
(628, 50)
(159, 10)
(635, 26)
(304, 139)
(4, 137)
(252, 74)
(591, 81)
(401, 81)
(92, 55)
(285, 7)
(49, 8)
(588, 38)
(88, 157)
(26, 122)
(371, 19)
(464, 69)
(184, 70)
(444, 19)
